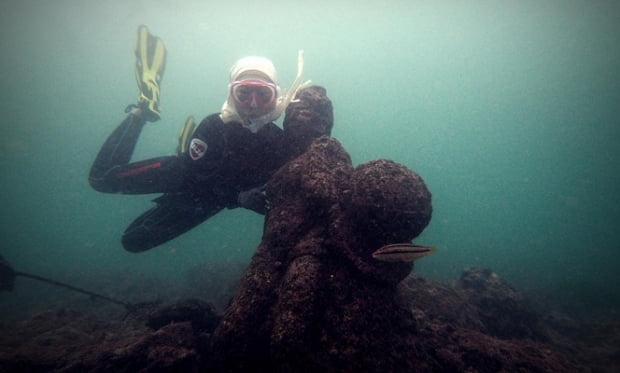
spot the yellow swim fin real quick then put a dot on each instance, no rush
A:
(186, 134)
(150, 65)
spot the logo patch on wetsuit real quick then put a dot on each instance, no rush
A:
(197, 149)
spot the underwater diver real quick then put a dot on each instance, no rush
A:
(224, 162)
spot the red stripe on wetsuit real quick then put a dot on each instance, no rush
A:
(138, 170)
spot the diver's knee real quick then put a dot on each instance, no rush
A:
(99, 184)
(96, 183)
(135, 244)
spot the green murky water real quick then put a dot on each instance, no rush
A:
(509, 110)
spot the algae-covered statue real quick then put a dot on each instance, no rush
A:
(314, 296)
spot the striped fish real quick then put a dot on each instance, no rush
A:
(402, 252)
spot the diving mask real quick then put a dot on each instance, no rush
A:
(253, 94)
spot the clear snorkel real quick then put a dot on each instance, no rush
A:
(297, 83)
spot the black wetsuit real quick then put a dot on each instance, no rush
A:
(223, 159)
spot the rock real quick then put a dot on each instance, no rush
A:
(200, 314)
(307, 119)
(437, 303)
(389, 202)
(505, 312)
(439, 322)
(173, 348)
(313, 298)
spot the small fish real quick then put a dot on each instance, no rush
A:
(402, 252)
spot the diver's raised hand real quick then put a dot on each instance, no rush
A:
(254, 199)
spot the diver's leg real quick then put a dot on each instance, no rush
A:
(116, 150)
(169, 219)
